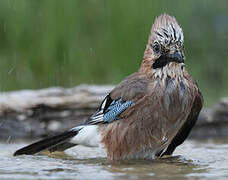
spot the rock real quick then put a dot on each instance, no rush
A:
(36, 113)
(33, 114)
(212, 122)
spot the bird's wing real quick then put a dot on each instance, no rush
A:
(109, 110)
(188, 125)
(120, 99)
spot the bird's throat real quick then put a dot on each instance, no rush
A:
(171, 69)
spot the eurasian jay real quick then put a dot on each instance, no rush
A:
(149, 113)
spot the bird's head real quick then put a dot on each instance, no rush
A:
(165, 46)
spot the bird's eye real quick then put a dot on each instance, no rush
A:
(156, 48)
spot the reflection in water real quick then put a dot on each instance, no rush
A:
(193, 160)
(170, 167)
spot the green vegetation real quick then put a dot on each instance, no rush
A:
(64, 43)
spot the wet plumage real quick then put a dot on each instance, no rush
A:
(149, 113)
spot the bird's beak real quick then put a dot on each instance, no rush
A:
(176, 57)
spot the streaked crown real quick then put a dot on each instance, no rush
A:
(166, 30)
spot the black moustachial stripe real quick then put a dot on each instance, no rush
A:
(160, 62)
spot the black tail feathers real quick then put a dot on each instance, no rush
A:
(50, 143)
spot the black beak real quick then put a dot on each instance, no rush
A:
(176, 57)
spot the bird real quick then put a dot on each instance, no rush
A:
(149, 113)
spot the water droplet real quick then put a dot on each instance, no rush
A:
(8, 139)
(11, 70)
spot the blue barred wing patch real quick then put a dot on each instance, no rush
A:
(109, 110)
(116, 108)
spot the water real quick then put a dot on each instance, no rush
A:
(193, 160)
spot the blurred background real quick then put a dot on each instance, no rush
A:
(65, 43)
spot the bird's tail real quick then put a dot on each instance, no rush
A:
(54, 143)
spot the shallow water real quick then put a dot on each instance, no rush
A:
(193, 160)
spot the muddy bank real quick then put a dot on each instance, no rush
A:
(29, 114)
